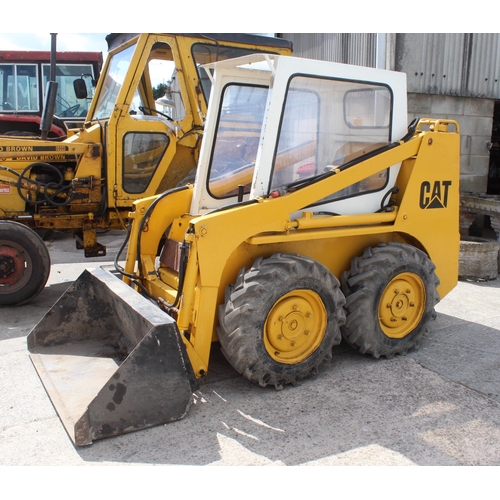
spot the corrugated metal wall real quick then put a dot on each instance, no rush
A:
(484, 67)
(459, 64)
(433, 62)
(349, 48)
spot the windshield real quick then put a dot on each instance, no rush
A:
(204, 53)
(237, 140)
(67, 104)
(112, 84)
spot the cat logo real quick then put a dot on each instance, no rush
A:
(434, 196)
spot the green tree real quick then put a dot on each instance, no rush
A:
(159, 90)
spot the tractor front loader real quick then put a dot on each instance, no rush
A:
(315, 214)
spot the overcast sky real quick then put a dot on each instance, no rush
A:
(91, 42)
(219, 16)
(81, 42)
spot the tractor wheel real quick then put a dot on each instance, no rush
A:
(281, 319)
(24, 264)
(390, 294)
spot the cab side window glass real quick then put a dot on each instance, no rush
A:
(327, 123)
(159, 88)
(237, 140)
(142, 152)
(19, 87)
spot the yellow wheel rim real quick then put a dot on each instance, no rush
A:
(295, 326)
(402, 305)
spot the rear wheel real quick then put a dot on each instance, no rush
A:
(281, 319)
(24, 264)
(390, 294)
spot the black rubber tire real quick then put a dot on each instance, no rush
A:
(366, 288)
(20, 133)
(31, 263)
(257, 292)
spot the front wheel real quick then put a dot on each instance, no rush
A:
(281, 319)
(24, 264)
(390, 294)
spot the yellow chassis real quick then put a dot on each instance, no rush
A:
(425, 215)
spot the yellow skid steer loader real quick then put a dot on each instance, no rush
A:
(315, 214)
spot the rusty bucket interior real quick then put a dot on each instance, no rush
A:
(110, 360)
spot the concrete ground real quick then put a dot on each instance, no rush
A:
(437, 406)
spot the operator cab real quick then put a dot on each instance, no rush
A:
(275, 122)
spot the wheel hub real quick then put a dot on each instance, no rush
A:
(11, 265)
(402, 305)
(295, 326)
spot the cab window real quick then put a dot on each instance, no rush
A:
(19, 87)
(237, 140)
(204, 53)
(327, 123)
(112, 83)
(159, 88)
(142, 153)
(66, 102)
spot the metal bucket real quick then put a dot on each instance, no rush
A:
(110, 360)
